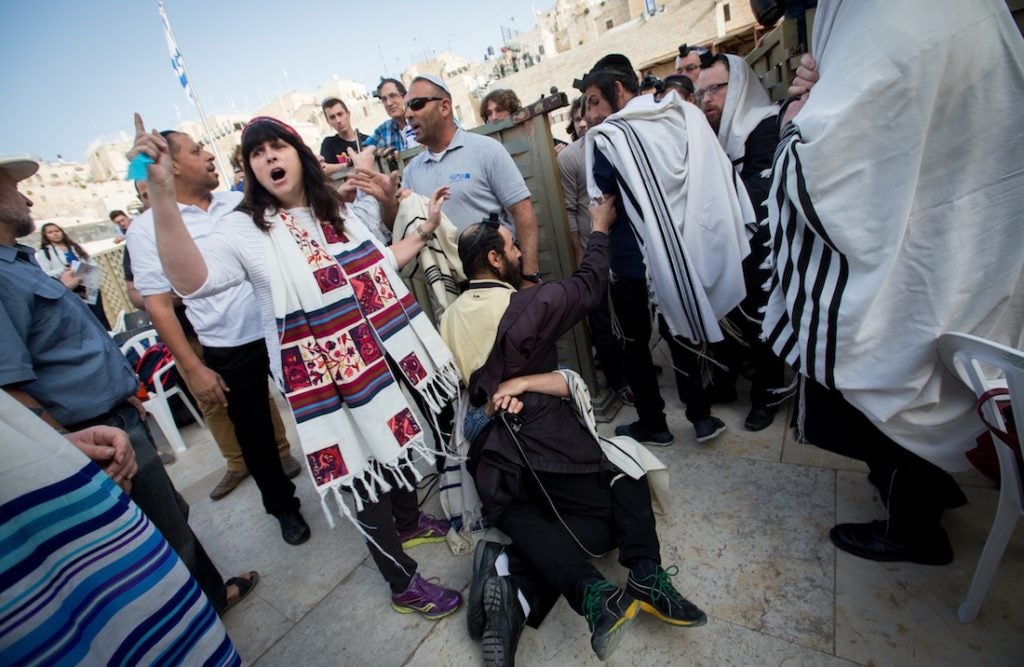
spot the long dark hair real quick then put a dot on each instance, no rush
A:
(323, 200)
(66, 240)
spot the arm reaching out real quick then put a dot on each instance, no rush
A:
(179, 255)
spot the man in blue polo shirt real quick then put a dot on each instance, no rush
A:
(483, 177)
(60, 363)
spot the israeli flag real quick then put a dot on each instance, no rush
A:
(177, 62)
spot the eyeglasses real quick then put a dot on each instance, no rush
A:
(417, 103)
(713, 89)
(390, 96)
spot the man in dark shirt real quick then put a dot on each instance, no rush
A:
(334, 149)
(542, 477)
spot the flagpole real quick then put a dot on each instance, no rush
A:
(178, 63)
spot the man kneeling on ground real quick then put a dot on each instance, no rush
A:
(541, 474)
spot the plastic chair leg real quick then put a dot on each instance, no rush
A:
(165, 420)
(995, 545)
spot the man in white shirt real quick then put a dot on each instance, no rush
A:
(224, 374)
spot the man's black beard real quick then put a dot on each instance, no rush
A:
(511, 272)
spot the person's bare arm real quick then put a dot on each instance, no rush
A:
(526, 233)
(206, 384)
(552, 384)
(133, 295)
(181, 259)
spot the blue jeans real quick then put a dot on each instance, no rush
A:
(154, 493)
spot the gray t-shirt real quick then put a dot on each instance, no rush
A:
(483, 178)
(572, 165)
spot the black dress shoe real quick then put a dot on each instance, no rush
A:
(759, 418)
(294, 528)
(869, 540)
(484, 556)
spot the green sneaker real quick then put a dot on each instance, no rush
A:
(660, 599)
(609, 610)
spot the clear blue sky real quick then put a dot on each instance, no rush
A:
(75, 70)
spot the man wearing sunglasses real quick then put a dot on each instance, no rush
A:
(484, 179)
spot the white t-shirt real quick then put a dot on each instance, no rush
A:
(228, 319)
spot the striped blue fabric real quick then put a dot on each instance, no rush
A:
(86, 579)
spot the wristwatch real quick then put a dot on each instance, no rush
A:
(533, 277)
(426, 236)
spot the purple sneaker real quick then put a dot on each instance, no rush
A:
(427, 597)
(428, 530)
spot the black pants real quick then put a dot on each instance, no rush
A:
(245, 370)
(915, 492)
(609, 351)
(395, 511)
(156, 496)
(767, 370)
(603, 510)
(633, 311)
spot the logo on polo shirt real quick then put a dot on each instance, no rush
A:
(460, 176)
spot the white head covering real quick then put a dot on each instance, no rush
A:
(746, 105)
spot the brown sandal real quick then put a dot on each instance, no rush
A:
(244, 586)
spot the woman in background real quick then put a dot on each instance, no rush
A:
(58, 253)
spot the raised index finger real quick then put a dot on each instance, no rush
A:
(140, 127)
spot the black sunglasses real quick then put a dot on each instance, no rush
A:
(417, 103)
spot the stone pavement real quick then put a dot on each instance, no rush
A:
(748, 528)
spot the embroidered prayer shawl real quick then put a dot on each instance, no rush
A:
(436, 271)
(338, 313)
(685, 206)
(746, 105)
(897, 210)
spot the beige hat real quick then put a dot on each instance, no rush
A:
(19, 167)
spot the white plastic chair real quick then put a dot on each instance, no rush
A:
(963, 355)
(157, 404)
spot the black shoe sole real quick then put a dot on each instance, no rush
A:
(483, 561)
(500, 637)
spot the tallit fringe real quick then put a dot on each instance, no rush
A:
(616, 327)
(784, 393)
(733, 331)
(344, 510)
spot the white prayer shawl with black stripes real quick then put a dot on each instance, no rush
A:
(746, 105)
(897, 208)
(686, 207)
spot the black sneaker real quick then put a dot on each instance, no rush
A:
(505, 621)
(871, 541)
(708, 429)
(660, 599)
(294, 528)
(759, 418)
(642, 435)
(483, 569)
(609, 611)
